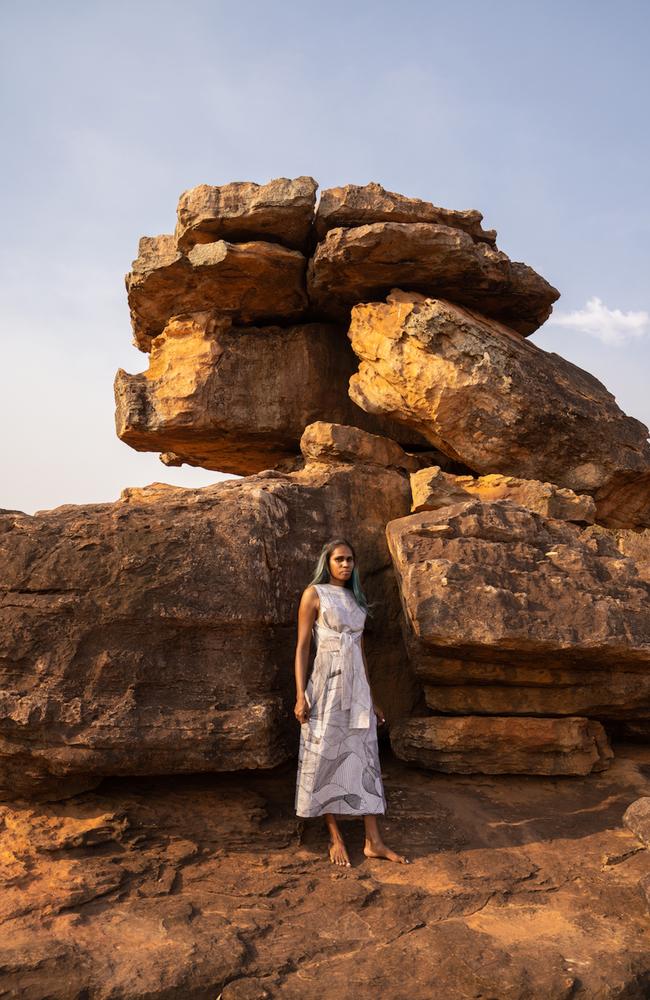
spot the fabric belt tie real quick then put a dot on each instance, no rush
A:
(355, 693)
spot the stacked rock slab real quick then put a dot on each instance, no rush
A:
(487, 397)
(156, 635)
(257, 285)
(514, 616)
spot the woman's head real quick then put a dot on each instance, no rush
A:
(337, 561)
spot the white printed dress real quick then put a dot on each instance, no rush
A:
(338, 759)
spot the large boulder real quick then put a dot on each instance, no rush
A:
(156, 635)
(432, 489)
(491, 745)
(362, 264)
(281, 211)
(508, 612)
(500, 404)
(250, 282)
(361, 205)
(237, 399)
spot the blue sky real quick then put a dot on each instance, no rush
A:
(534, 112)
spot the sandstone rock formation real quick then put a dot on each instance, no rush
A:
(249, 282)
(204, 886)
(637, 819)
(485, 396)
(357, 205)
(432, 489)
(281, 211)
(510, 613)
(156, 635)
(363, 264)
(217, 397)
(502, 745)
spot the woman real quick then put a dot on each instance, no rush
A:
(338, 763)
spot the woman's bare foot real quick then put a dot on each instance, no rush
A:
(339, 854)
(379, 850)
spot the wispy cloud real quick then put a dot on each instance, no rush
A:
(611, 326)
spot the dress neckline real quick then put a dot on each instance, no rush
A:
(335, 586)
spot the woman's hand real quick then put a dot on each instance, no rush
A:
(379, 712)
(301, 711)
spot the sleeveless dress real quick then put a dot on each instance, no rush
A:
(338, 759)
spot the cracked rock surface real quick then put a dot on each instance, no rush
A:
(207, 886)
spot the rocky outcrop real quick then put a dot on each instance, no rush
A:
(463, 569)
(362, 264)
(215, 395)
(205, 886)
(637, 819)
(432, 489)
(252, 282)
(281, 211)
(488, 398)
(362, 205)
(503, 745)
(162, 627)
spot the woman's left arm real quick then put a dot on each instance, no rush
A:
(379, 712)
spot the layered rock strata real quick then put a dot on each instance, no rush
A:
(432, 489)
(501, 745)
(362, 264)
(237, 400)
(485, 396)
(510, 613)
(156, 635)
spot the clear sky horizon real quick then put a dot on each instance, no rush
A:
(533, 112)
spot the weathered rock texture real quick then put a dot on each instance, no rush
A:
(357, 205)
(507, 612)
(361, 264)
(205, 886)
(637, 819)
(485, 396)
(282, 211)
(156, 634)
(432, 489)
(249, 282)
(237, 400)
(501, 745)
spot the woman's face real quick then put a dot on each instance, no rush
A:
(341, 563)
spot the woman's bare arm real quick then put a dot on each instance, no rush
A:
(307, 613)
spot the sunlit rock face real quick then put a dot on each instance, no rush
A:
(491, 399)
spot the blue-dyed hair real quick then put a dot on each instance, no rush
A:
(322, 572)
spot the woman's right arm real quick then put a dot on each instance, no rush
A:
(307, 612)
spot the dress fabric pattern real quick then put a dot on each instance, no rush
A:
(338, 759)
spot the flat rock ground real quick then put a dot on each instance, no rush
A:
(202, 887)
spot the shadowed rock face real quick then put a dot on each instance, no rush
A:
(357, 265)
(157, 634)
(487, 397)
(498, 745)
(462, 571)
(237, 400)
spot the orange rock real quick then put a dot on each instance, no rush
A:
(236, 399)
(281, 210)
(488, 398)
(363, 264)
(249, 282)
(357, 205)
(432, 489)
